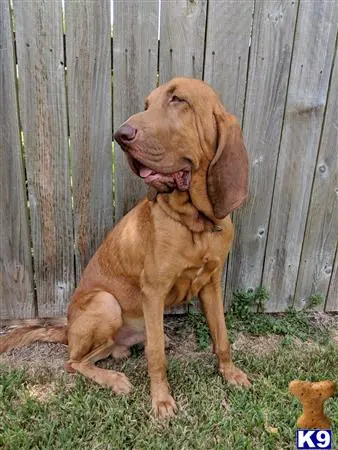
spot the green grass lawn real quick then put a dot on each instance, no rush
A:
(44, 408)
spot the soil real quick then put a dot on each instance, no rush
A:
(50, 357)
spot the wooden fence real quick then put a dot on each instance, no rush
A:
(69, 76)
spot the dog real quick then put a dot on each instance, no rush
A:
(167, 249)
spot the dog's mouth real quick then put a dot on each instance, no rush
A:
(163, 182)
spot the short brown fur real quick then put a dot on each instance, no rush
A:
(165, 250)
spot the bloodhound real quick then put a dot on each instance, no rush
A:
(170, 247)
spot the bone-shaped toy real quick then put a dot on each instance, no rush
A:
(312, 396)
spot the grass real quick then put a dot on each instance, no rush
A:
(47, 410)
(247, 315)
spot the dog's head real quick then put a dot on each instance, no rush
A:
(183, 131)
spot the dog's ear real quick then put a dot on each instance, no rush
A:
(227, 179)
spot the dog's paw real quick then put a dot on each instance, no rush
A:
(120, 384)
(164, 406)
(235, 376)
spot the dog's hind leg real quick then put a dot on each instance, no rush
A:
(117, 381)
(91, 338)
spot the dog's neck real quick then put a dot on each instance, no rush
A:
(191, 208)
(199, 194)
(178, 206)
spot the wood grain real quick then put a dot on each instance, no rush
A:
(227, 49)
(321, 233)
(90, 123)
(44, 121)
(309, 77)
(182, 38)
(226, 58)
(270, 57)
(16, 278)
(332, 297)
(17, 323)
(275, 74)
(135, 75)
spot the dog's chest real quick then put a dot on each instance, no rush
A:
(190, 282)
(193, 259)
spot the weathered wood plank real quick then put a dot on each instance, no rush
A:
(135, 75)
(16, 278)
(43, 322)
(306, 99)
(227, 49)
(182, 37)
(332, 297)
(43, 114)
(322, 224)
(226, 57)
(90, 123)
(270, 57)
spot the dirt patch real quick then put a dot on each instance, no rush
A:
(323, 320)
(37, 356)
(180, 338)
(335, 337)
(259, 345)
(41, 392)
(42, 356)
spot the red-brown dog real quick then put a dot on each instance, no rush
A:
(170, 247)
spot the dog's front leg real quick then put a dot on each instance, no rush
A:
(153, 309)
(212, 304)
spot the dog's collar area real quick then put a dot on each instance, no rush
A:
(179, 207)
(216, 228)
(213, 227)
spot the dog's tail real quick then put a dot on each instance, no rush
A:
(26, 335)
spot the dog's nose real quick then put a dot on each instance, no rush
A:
(125, 134)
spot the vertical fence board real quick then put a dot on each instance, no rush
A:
(16, 278)
(322, 224)
(43, 113)
(182, 21)
(270, 57)
(332, 297)
(226, 56)
(306, 99)
(227, 48)
(88, 50)
(135, 52)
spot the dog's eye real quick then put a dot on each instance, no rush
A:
(175, 99)
(146, 105)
